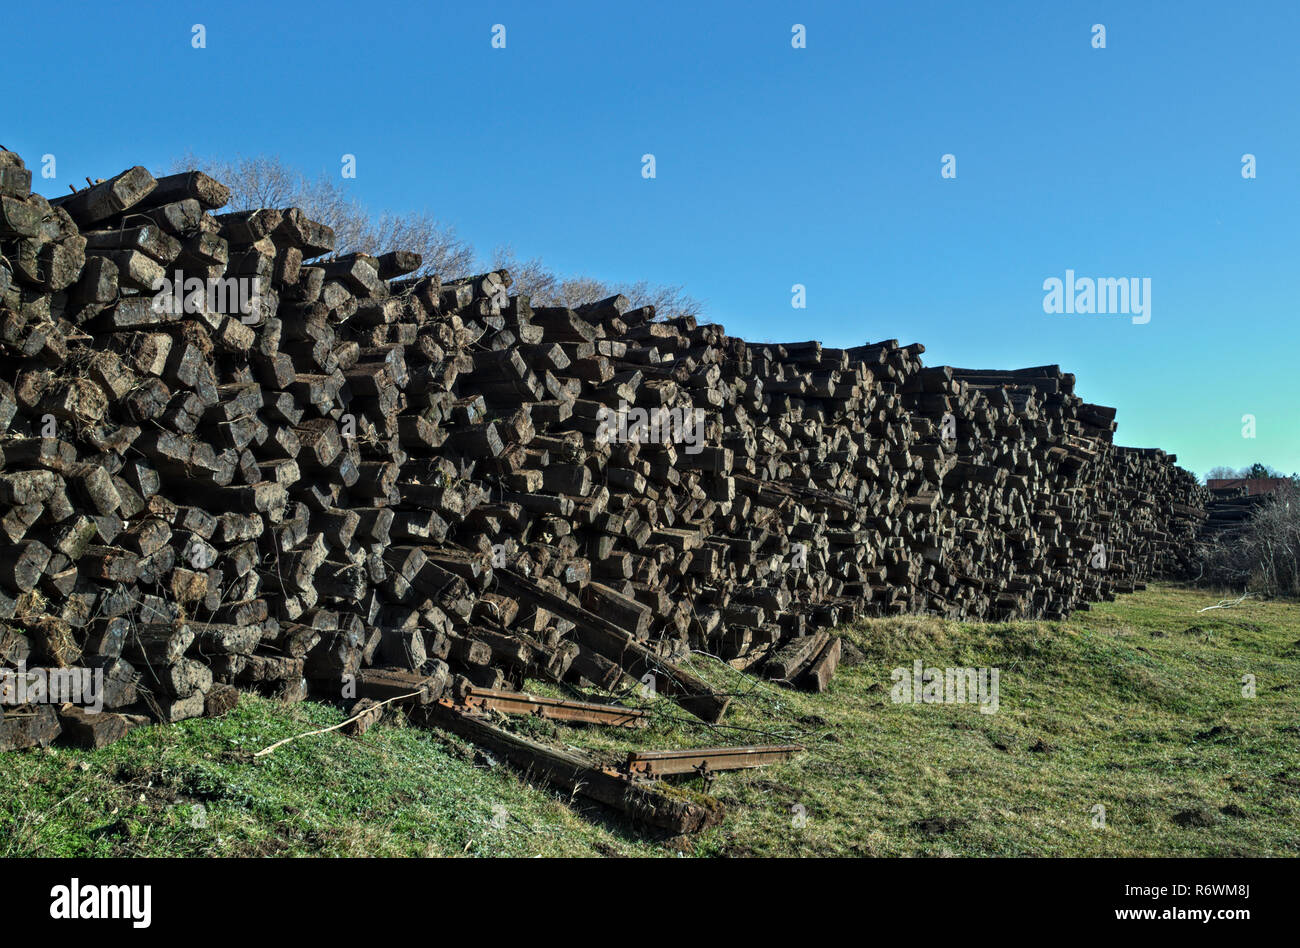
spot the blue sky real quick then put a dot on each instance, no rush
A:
(777, 166)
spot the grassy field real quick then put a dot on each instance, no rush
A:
(1136, 707)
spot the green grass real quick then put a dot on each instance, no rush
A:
(1136, 706)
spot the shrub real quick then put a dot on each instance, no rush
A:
(1263, 555)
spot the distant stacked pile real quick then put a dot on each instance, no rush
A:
(1228, 511)
(346, 481)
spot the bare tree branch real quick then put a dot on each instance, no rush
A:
(545, 288)
(263, 181)
(267, 181)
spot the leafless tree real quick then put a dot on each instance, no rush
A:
(545, 288)
(266, 181)
(1263, 555)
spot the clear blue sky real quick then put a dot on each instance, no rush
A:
(776, 165)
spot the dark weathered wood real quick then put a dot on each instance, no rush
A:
(158, 644)
(93, 730)
(33, 725)
(639, 800)
(615, 644)
(792, 658)
(189, 185)
(101, 201)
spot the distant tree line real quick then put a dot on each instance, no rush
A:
(1255, 470)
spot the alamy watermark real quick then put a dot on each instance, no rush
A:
(79, 686)
(651, 426)
(77, 901)
(1119, 296)
(227, 296)
(921, 685)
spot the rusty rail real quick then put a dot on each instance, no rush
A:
(707, 759)
(558, 709)
(578, 772)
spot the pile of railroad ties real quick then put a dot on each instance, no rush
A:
(232, 459)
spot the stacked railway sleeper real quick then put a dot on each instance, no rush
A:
(234, 459)
(1229, 511)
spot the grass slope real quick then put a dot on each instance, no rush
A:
(1136, 707)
